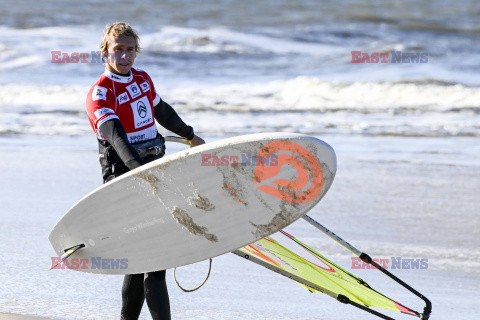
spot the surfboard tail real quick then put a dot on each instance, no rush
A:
(68, 253)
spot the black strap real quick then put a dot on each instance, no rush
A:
(116, 137)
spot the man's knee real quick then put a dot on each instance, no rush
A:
(132, 285)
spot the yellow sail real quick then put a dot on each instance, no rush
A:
(286, 255)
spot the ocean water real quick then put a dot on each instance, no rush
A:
(267, 64)
(406, 135)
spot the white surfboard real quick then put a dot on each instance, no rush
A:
(196, 204)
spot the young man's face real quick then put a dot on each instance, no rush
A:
(121, 54)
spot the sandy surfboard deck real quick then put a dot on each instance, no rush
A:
(196, 204)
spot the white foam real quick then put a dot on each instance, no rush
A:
(218, 39)
(299, 94)
(22, 48)
(303, 104)
(41, 98)
(314, 94)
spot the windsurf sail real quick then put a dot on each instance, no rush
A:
(288, 256)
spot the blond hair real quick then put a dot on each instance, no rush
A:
(117, 29)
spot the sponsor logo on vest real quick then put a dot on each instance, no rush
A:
(103, 111)
(145, 86)
(141, 109)
(123, 98)
(134, 90)
(99, 93)
(142, 112)
(301, 187)
(137, 138)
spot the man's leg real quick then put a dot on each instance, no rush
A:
(132, 296)
(133, 292)
(157, 295)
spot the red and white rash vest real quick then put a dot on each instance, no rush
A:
(130, 99)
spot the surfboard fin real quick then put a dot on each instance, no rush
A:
(67, 254)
